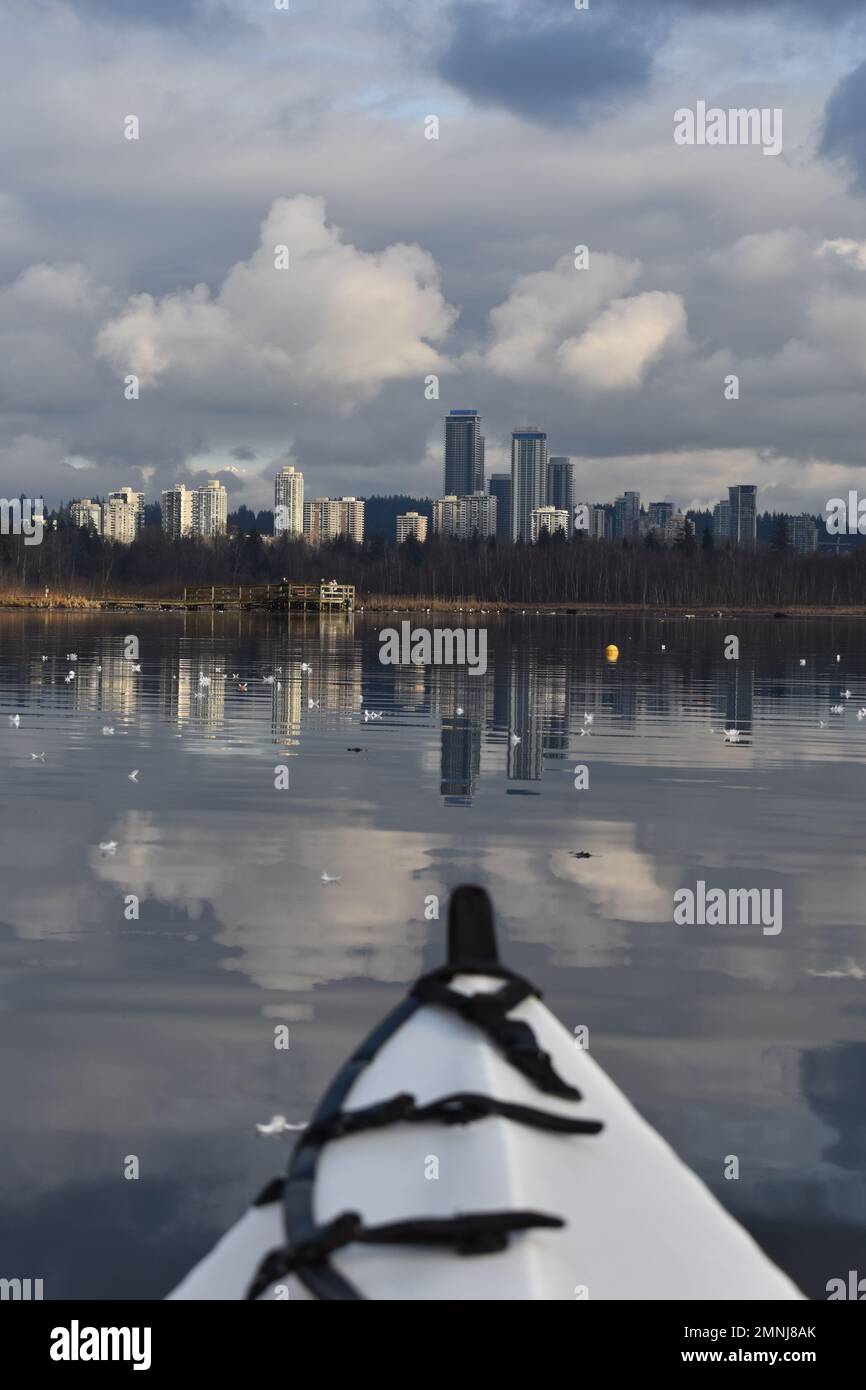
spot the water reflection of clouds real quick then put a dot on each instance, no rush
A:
(157, 1030)
(289, 930)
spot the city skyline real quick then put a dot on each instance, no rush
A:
(485, 512)
(154, 256)
(471, 503)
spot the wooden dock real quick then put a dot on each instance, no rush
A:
(264, 598)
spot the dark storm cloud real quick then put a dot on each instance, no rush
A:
(243, 453)
(561, 66)
(845, 123)
(559, 72)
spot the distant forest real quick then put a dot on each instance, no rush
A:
(693, 572)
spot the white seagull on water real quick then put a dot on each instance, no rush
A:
(331, 878)
(278, 1124)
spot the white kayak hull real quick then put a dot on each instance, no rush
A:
(638, 1223)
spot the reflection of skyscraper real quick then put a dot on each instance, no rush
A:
(742, 521)
(739, 696)
(464, 453)
(525, 758)
(461, 756)
(286, 707)
(528, 479)
(176, 686)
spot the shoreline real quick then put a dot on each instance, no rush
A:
(383, 603)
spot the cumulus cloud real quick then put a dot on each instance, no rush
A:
(578, 326)
(47, 316)
(329, 364)
(759, 258)
(336, 320)
(852, 252)
(618, 349)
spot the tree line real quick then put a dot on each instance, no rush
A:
(72, 559)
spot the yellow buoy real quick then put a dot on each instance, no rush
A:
(612, 652)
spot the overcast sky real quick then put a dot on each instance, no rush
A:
(410, 256)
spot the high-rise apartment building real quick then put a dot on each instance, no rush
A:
(560, 486)
(465, 517)
(598, 527)
(289, 502)
(87, 513)
(132, 499)
(477, 516)
(552, 519)
(659, 514)
(210, 509)
(176, 505)
(446, 516)
(528, 478)
(352, 518)
(411, 524)
(464, 453)
(321, 520)
(721, 521)
(500, 488)
(626, 516)
(326, 518)
(119, 519)
(802, 533)
(742, 515)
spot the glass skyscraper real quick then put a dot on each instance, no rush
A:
(528, 479)
(560, 486)
(500, 488)
(742, 514)
(464, 453)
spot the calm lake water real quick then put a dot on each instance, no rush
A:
(153, 1037)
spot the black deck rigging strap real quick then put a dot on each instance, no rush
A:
(477, 1233)
(473, 1233)
(461, 1108)
(489, 1012)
